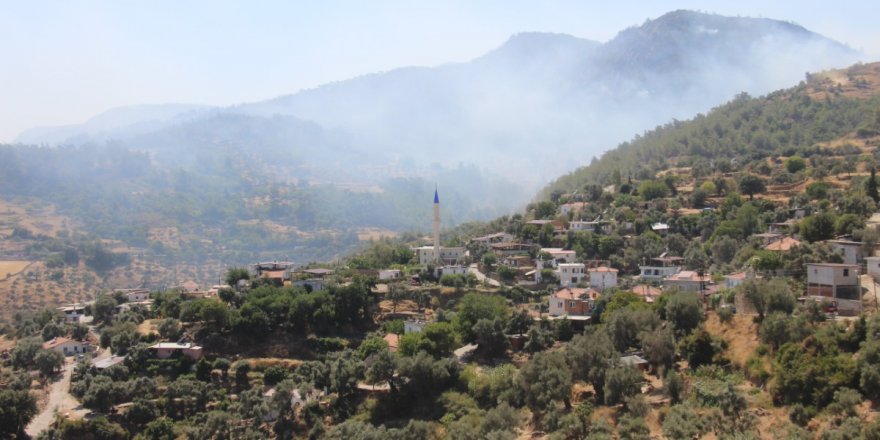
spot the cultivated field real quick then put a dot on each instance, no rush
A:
(10, 268)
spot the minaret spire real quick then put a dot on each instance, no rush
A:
(436, 225)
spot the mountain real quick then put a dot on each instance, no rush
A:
(538, 91)
(362, 153)
(114, 123)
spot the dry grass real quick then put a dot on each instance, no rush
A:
(741, 335)
(11, 268)
(263, 363)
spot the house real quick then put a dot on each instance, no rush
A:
(781, 228)
(66, 346)
(661, 267)
(450, 270)
(448, 255)
(570, 274)
(414, 325)
(560, 255)
(517, 261)
(602, 277)
(390, 274)
(838, 282)
(590, 226)
(393, 341)
(634, 361)
(102, 364)
(164, 350)
(276, 277)
(567, 208)
(850, 250)
(687, 281)
(768, 237)
(73, 312)
(498, 237)
(647, 292)
(660, 228)
(873, 266)
(137, 295)
(190, 286)
(737, 279)
(257, 269)
(510, 248)
(572, 301)
(311, 284)
(782, 245)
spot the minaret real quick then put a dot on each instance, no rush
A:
(436, 224)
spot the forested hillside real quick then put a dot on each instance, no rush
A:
(746, 131)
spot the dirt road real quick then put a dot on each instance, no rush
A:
(60, 402)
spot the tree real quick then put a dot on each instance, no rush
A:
(17, 408)
(750, 185)
(622, 383)
(683, 423)
(794, 164)
(590, 355)
(769, 296)
(818, 227)
(652, 189)
(673, 386)
(659, 348)
(871, 186)
(104, 308)
(520, 322)
(235, 274)
(544, 379)
(684, 311)
(170, 329)
(381, 367)
(241, 370)
(699, 348)
(48, 361)
(490, 337)
(474, 307)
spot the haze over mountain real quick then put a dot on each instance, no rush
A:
(539, 105)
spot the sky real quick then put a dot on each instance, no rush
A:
(64, 62)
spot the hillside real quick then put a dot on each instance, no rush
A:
(826, 111)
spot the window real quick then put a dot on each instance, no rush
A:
(846, 272)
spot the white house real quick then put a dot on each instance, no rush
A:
(660, 228)
(850, 250)
(570, 274)
(73, 312)
(66, 346)
(687, 281)
(164, 350)
(448, 255)
(873, 265)
(450, 270)
(660, 268)
(137, 295)
(390, 274)
(561, 255)
(498, 237)
(838, 282)
(602, 277)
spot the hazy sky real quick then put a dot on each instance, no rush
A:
(63, 62)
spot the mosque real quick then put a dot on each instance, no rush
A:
(438, 255)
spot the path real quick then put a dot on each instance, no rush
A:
(60, 401)
(481, 277)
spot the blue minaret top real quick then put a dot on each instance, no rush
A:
(436, 197)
